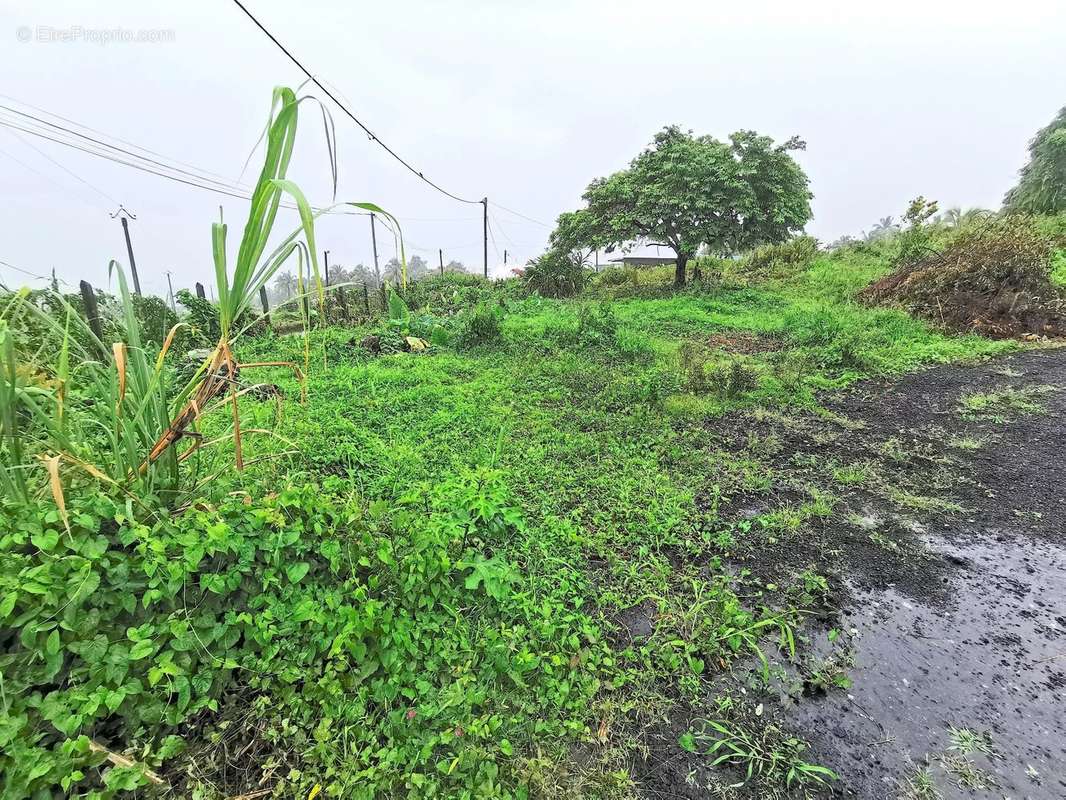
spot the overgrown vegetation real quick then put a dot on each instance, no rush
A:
(482, 528)
(994, 279)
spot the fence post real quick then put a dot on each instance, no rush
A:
(92, 312)
(200, 291)
(342, 301)
(266, 305)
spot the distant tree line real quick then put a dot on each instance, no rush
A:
(286, 284)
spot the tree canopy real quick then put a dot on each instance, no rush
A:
(684, 192)
(1041, 185)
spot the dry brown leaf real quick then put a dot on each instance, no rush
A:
(52, 465)
(119, 349)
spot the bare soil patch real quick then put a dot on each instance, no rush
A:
(946, 557)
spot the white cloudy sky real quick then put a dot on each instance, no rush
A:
(524, 103)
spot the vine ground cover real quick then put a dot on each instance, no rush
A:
(487, 570)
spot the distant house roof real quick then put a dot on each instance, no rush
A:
(643, 261)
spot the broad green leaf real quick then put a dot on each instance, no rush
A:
(296, 572)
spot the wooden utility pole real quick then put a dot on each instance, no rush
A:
(266, 305)
(200, 291)
(374, 239)
(441, 251)
(485, 233)
(122, 213)
(92, 313)
(170, 286)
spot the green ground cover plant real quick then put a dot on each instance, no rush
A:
(413, 588)
(480, 553)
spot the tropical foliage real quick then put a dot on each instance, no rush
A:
(684, 192)
(1041, 185)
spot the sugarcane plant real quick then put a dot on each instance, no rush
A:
(236, 293)
(131, 406)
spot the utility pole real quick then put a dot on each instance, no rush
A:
(485, 234)
(374, 239)
(170, 286)
(122, 213)
(441, 251)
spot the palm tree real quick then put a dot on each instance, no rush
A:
(883, 227)
(286, 284)
(954, 217)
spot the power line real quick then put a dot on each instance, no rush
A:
(499, 227)
(102, 133)
(345, 109)
(492, 238)
(523, 216)
(92, 146)
(31, 274)
(109, 146)
(74, 175)
(234, 191)
(142, 168)
(47, 177)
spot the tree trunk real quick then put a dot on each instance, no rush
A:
(679, 270)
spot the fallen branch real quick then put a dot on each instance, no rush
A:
(123, 761)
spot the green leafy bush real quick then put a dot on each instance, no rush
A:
(202, 317)
(778, 260)
(597, 325)
(555, 274)
(481, 325)
(450, 292)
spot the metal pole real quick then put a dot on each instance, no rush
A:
(374, 239)
(325, 254)
(441, 251)
(485, 234)
(170, 286)
(129, 250)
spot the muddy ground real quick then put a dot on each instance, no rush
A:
(946, 557)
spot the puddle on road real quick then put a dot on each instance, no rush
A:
(993, 659)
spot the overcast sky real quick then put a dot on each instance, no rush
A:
(524, 103)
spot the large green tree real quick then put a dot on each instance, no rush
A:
(1041, 186)
(684, 192)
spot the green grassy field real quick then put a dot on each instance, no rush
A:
(487, 569)
(585, 420)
